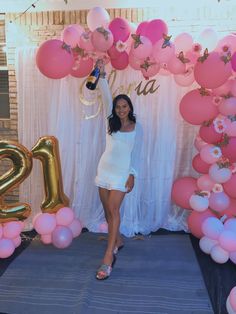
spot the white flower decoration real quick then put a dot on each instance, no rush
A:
(217, 188)
(121, 46)
(216, 152)
(219, 124)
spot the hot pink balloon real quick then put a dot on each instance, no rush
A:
(212, 228)
(227, 240)
(82, 67)
(7, 248)
(205, 183)
(196, 108)
(12, 229)
(143, 49)
(45, 223)
(229, 150)
(102, 39)
(46, 238)
(150, 67)
(182, 190)
(121, 62)
(219, 201)
(230, 186)
(162, 52)
(113, 52)
(199, 165)
(71, 36)
(85, 41)
(120, 29)
(176, 66)
(141, 29)
(155, 30)
(53, 59)
(65, 216)
(183, 42)
(75, 227)
(97, 17)
(212, 72)
(209, 134)
(195, 221)
(62, 237)
(219, 174)
(228, 106)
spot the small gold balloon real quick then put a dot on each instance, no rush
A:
(47, 151)
(22, 164)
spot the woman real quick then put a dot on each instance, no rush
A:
(117, 167)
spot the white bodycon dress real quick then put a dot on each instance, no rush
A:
(122, 153)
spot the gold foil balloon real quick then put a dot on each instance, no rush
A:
(47, 151)
(22, 164)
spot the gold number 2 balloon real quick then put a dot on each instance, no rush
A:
(47, 151)
(22, 164)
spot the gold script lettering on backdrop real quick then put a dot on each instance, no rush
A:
(143, 88)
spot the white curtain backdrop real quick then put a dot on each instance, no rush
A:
(57, 107)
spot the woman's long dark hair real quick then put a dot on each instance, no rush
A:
(114, 123)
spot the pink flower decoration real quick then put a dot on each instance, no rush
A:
(121, 46)
(217, 100)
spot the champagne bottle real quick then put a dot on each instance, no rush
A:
(93, 78)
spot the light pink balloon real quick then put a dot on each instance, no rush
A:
(206, 244)
(229, 150)
(17, 241)
(46, 238)
(230, 224)
(185, 79)
(143, 50)
(199, 143)
(7, 248)
(45, 223)
(230, 211)
(209, 134)
(230, 127)
(219, 255)
(230, 186)
(233, 88)
(198, 203)
(219, 201)
(232, 298)
(82, 67)
(62, 237)
(135, 62)
(75, 227)
(85, 41)
(12, 229)
(65, 216)
(224, 89)
(102, 39)
(196, 108)
(183, 42)
(227, 240)
(120, 29)
(182, 189)
(227, 44)
(195, 221)
(228, 106)
(121, 62)
(155, 30)
(212, 228)
(218, 174)
(199, 165)
(205, 183)
(176, 66)
(53, 59)
(210, 153)
(71, 36)
(163, 53)
(97, 17)
(212, 72)
(152, 69)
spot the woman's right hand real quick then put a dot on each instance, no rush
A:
(101, 65)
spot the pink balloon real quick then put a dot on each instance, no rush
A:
(75, 227)
(229, 150)
(85, 41)
(199, 165)
(142, 50)
(141, 29)
(185, 79)
(71, 36)
(228, 106)
(150, 68)
(212, 72)
(227, 44)
(219, 255)
(205, 183)
(209, 134)
(120, 29)
(102, 39)
(224, 89)
(230, 224)
(195, 221)
(7, 248)
(183, 42)
(135, 62)
(62, 237)
(227, 240)
(210, 153)
(196, 108)
(212, 228)
(230, 186)
(113, 52)
(82, 67)
(199, 143)
(198, 203)
(219, 174)
(46, 238)
(97, 17)
(155, 30)
(163, 53)
(16, 241)
(121, 62)
(65, 216)
(45, 223)
(230, 211)
(12, 229)
(176, 66)
(182, 190)
(232, 298)
(219, 201)
(230, 127)
(53, 59)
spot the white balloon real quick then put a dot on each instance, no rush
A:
(208, 38)
(97, 17)
(206, 244)
(219, 255)
(229, 307)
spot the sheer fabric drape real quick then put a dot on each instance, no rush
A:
(57, 107)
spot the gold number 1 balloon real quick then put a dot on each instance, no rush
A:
(22, 164)
(47, 151)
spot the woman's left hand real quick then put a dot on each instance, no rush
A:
(129, 183)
